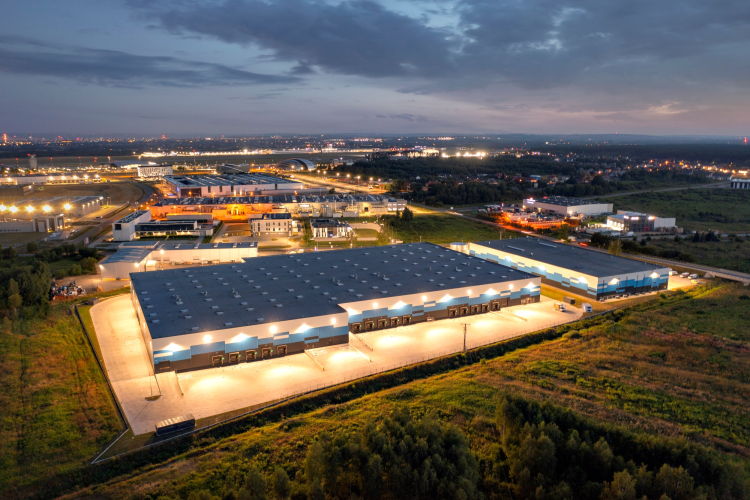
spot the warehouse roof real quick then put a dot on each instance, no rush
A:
(285, 287)
(574, 257)
(185, 181)
(132, 255)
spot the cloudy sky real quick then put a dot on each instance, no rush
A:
(390, 66)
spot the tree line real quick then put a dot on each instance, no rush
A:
(536, 451)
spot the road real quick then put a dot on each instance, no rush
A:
(339, 186)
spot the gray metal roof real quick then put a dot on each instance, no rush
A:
(132, 216)
(188, 181)
(132, 255)
(570, 256)
(285, 287)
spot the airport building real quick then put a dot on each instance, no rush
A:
(228, 185)
(296, 165)
(273, 306)
(238, 208)
(586, 272)
(154, 171)
(138, 257)
(569, 207)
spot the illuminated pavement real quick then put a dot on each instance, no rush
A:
(218, 390)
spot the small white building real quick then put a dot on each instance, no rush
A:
(330, 228)
(124, 229)
(740, 183)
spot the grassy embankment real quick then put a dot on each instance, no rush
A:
(56, 412)
(724, 254)
(675, 367)
(445, 228)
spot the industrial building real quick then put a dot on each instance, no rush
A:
(35, 224)
(587, 272)
(139, 225)
(238, 208)
(569, 207)
(280, 224)
(740, 183)
(77, 206)
(273, 306)
(228, 184)
(636, 222)
(137, 257)
(330, 228)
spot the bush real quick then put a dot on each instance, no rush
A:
(88, 264)
(32, 247)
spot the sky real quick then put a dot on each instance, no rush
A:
(244, 67)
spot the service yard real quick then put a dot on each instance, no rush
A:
(147, 399)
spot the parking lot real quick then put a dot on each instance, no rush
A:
(218, 390)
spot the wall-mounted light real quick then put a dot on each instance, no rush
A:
(333, 321)
(424, 298)
(374, 304)
(206, 339)
(273, 329)
(468, 291)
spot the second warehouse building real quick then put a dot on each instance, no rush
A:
(594, 274)
(272, 306)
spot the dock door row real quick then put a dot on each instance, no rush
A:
(237, 357)
(369, 325)
(493, 305)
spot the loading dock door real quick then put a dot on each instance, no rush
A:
(485, 308)
(406, 320)
(217, 360)
(234, 357)
(249, 355)
(266, 352)
(356, 327)
(381, 323)
(281, 350)
(395, 321)
(369, 325)
(452, 313)
(464, 311)
(474, 309)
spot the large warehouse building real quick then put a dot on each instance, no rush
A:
(228, 185)
(569, 207)
(273, 306)
(580, 270)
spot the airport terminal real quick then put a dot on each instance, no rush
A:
(272, 306)
(570, 267)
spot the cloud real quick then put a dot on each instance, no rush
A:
(356, 37)
(120, 69)
(534, 44)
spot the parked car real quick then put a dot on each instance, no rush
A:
(693, 276)
(684, 275)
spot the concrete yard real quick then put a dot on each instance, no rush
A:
(212, 391)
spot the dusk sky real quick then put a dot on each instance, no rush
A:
(295, 66)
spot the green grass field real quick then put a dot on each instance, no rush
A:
(725, 210)
(676, 367)
(443, 229)
(56, 412)
(724, 254)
